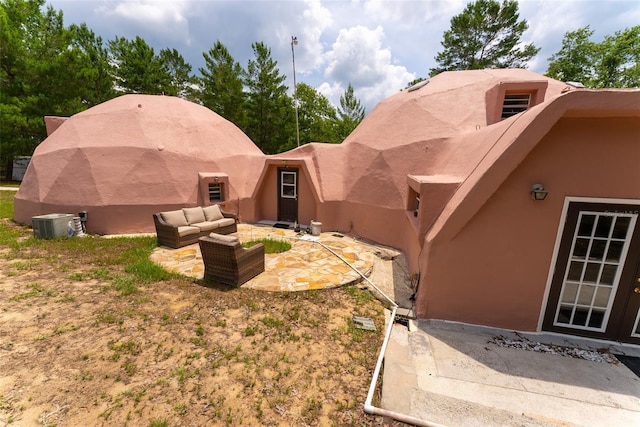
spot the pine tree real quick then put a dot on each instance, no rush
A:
(350, 113)
(221, 86)
(486, 34)
(179, 73)
(269, 108)
(137, 68)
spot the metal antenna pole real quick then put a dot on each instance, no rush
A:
(294, 41)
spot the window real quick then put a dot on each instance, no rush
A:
(515, 103)
(288, 185)
(215, 192)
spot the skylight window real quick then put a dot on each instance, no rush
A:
(515, 103)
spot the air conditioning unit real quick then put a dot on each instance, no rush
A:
(51, 226)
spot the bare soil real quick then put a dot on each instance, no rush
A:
(77, 350)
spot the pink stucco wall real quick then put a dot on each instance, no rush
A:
(494, 270)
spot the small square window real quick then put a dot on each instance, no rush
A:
(215, 192)
(515, 103)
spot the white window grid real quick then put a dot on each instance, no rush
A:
(288, 185)
(572, 289)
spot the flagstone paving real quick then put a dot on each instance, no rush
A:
(309, 264)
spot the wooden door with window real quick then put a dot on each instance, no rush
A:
(287, 194)
(595, 290)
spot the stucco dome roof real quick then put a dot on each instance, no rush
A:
(136, 150)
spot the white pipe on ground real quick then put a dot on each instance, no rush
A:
(368, 405)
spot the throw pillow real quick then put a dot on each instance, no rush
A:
(193, 215)
(212, 213)
(175, 218)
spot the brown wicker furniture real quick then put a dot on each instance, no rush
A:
(182, 227)
(227, 262)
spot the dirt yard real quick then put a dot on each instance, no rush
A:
(84, 343)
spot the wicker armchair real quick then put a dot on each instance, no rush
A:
(227, 262)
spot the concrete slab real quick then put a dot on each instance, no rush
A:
(455, 375)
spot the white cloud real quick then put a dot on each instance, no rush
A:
(315, 20)
(166, 18)
(357, 57)
(408, 14)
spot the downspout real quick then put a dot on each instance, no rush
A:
(368, 406)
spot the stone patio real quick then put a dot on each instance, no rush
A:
(309, 264)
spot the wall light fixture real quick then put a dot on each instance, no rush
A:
(538, 192)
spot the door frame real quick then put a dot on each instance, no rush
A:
(634, 253)
(281, 199)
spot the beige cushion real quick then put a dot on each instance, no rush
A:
(206, 225)
(224, 239)
(175, 218)
(194, 215)
(187, 230)
(212, 213)
(224, 222)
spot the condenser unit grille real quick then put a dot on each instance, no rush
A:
(50, 226)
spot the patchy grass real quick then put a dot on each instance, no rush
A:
(271, 246)
(131, 344)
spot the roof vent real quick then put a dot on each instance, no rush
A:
(515, 103)
(418, 85)
(575, 84)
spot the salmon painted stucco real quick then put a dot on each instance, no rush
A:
(434, 171)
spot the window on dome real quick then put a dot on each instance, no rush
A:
(515, 103)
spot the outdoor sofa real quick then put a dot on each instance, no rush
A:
(227, 262)
(185, 226)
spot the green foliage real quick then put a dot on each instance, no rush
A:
(179, 73)
(487, 34)
(221, 85)
(39, 73)
(271, 246)
(573, 62)
(94, 70)
(137, 68)
(350, 113)
(316, 116)
(269, 109)
(615, 62)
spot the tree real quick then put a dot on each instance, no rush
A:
(39, 71)
(350, 113)
(316, 116)
(485, 35)
(137, 69)
(221, 85)
(94, 75)
(269, 108)
(179, 73)
(618, 59)
(615, 62)
(573, 62)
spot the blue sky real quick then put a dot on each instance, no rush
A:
(376, 45)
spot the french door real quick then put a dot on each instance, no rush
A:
(595, 289)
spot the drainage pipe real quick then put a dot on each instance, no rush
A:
(393, 303)
(373, 410)
(368, 406)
